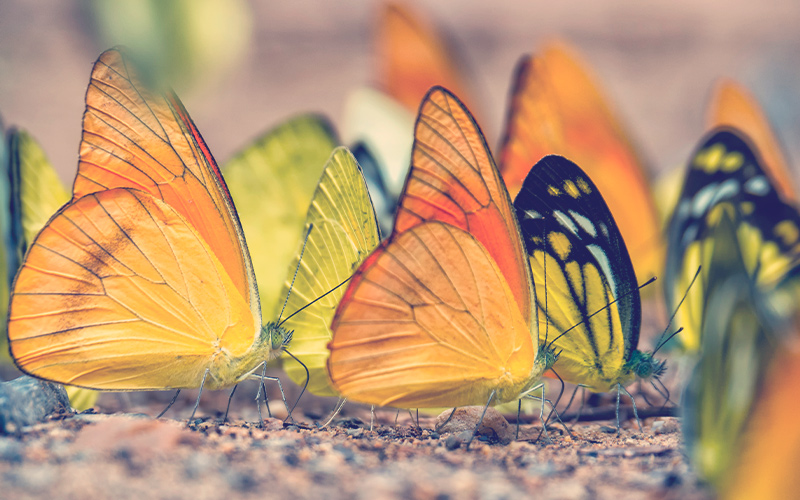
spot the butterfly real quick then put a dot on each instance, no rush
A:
(440, 314)
(557, 107)
(590, 308)
(143, 280)
(726, 176)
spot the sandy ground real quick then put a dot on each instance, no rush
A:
(90, 456)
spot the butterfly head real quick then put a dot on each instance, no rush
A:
(276, 336)
(548, 355)
(645, 366)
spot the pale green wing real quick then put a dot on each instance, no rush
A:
(37, 192)
(343, 233)
(271, 182)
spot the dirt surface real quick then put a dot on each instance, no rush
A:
(88, 456)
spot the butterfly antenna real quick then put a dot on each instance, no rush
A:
(305, 385)
(314, 301)
(675, 312)
(587, 318)
(296, 270)
(662, 344)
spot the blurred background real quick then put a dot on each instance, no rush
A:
(243, 66)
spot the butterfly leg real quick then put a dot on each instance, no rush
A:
(305, 385)
(580, 408)
(633, 402)
(519, 410)
(664, 394)
(644, 395)
(174, 398)
(560, 394)
(371, 417)
(480, 420)
(395, 417)
(228, 408)
(412, 417)
(199, 393)
(437, 428)
(283, 397)
(336, 409)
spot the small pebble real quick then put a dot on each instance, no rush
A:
(608, 429)
(452, 442)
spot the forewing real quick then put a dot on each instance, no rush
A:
(137, 138)
(453, 179)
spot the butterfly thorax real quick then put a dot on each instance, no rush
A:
(227, 370)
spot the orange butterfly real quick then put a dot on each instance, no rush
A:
(441, 313)
(557, 108)
(412, 57)
(143, 281)
(732, 105)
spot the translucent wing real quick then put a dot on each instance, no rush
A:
(732, 105)
(453, 179)
(37, 191)
(272, 182)
(120, 292)
(136, 138)
(725, 176)
(344, 232)
(580, 265)
(412, 57)
(557, 108)
(429, 321)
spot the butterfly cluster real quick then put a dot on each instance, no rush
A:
(406, 266)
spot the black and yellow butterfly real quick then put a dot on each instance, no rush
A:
(726, 179)
(590, 306)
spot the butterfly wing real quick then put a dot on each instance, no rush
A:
(120, 292)
(136, 138)
(725, 176)
(557, 108)
(732, 105)
(579, 259)
(272, 182)
(412, 57)
(429, 321)
(344, 231)
(453, 179)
